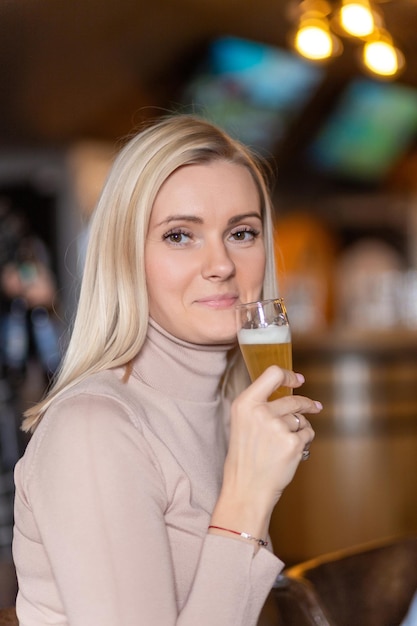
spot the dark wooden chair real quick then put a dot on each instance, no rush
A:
(371, 585)
(293, 602)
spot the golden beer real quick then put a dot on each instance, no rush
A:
(262, 347)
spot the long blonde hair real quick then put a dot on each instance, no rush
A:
(112, 315)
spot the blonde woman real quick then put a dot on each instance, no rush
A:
(140, 447)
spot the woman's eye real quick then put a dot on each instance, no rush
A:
(177, 237)
(244, 234)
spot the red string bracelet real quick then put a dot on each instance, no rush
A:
(260, 542)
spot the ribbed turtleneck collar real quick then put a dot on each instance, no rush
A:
(183, 370)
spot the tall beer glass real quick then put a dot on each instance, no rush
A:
(264, 337)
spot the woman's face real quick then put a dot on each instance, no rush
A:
(204, 251)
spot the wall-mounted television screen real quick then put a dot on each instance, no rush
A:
(370, 128)
(252, 90)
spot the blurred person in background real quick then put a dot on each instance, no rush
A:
(27, 330)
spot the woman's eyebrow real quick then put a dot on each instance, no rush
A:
(239, 218)
(181, 218)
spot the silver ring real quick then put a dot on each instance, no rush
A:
(298, 423)
(305, 455)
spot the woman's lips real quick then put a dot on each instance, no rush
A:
(224, 301)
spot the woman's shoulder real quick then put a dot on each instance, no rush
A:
(92, 423)
(100, 396)
(88, 396)
(100, 404)
(101, 409)
(107, 383)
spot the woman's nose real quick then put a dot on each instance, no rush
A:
(217, 262)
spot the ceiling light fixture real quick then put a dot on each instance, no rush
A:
(314, 40)
(319, 24)
(381, 57)
(357, 18)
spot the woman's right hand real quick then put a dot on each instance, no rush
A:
(267, 439)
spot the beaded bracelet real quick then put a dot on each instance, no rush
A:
(260, 542)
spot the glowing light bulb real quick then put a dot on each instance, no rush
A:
(382, 58)
(357, 19)
(314, 42)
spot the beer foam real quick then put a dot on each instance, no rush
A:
(269, 334)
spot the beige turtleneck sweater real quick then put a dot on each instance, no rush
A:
(114, 495)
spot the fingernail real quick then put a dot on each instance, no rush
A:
(300, 378)
(318, 404)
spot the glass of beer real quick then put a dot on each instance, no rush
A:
(264, 337)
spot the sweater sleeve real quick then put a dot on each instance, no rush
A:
(231, 584)
(98, 497)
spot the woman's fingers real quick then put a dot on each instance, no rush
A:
(296, 404)
(292, 407)
(295, 422)
(272, 378)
